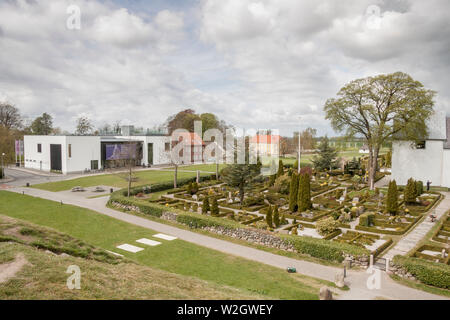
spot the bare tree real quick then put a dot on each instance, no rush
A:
(84, 126)
(10, 117)
(129, 156)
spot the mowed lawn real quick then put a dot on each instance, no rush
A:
(115, 180)
(176, 256)
(201, 167)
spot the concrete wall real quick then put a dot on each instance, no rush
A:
(84, 149)
(41, 160)
(420, 164)
(446, 169)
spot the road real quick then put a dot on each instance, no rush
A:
(356, 280)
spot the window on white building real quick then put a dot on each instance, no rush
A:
(39, 147)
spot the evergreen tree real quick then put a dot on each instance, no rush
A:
(419, 188)
(240, 176)
(293, 193)
(327, 156)
(269, 217)
(280, 169)
(392, 198)
(272, 179)
(410, 191)
(214, 207)
(205, 206)
(276, 216)
(304, 193)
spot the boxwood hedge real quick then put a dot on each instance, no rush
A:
(431, 273)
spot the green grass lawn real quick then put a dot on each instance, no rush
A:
(114, 180)
(174, 256)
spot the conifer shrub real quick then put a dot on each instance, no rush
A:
(410, 192)
(205, 206)
(304, 193)
(293, 193)
(276, 216)
(269, 217)
(392, 198)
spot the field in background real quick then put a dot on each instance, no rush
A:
(173, 256)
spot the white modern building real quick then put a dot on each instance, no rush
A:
(71, 154)
(428, 160)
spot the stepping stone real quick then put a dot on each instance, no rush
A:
(129, 248)
(164, 236)
(148, 242)
(115, 253)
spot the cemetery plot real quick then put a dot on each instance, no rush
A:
(371, 242)
(433, 253)
(443, 233)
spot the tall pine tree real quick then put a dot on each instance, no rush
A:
(327, 156)
(276, 216)
(280, 168)
(410, 191)
(293, 193)
(304, 193)
(392, 198)
(269, 217)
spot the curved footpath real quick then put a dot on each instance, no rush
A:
(356, 280)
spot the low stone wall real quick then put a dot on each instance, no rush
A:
(401, 272)
(260, 237)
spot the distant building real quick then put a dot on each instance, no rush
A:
(71, 154)
(192, 149)
(266, 145)
(427, 160)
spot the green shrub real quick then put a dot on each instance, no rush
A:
(269, 217)
(214, 207)
(410, 192)
(282, 184)
(327, 226)
(197, 221)
(276, 216)
(431, 273)
(419, 188)
(205, 205)
(280, 168)
(392, 198)
(149, 208)
(293, 192)
(324, 249)
(366, 219)
(304, 193)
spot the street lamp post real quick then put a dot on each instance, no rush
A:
(3, 168)
(299, 147)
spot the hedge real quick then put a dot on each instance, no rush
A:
(366, 219)
(324, 249)
(164, 185)
(428, 272)
(382, 247)
(197, 221)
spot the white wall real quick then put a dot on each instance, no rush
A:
(84, 149)
(420, 164)
(446, 168)
(41, 161)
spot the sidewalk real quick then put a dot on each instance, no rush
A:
(355, 279)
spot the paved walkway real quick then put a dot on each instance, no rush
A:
(356, 280)
(408, 242)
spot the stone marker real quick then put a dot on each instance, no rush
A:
(325, 294)
(339, 279)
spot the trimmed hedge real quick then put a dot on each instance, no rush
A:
(197, 221)
(324, 249)
(366, 219)
(382, 247)
(156, 187)
(428, 272)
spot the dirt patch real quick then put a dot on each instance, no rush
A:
(10, 269)
(15, 232)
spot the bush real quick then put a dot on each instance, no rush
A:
(280, 168)
(269, 217)
(145, 208)
(293, 193)
(392, 198)
(197, 221)
(366, 219)
(324, 249)
(205, 205)
(276, 216)
(327, 226)
(214, 207)
(431, 273)
(304, 193)
(410, 192)
(282, 184)
(419, 188)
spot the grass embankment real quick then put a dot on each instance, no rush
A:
(115, 180)
(103, 276)
(176, 256)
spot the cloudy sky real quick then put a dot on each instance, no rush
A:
(254, 63)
